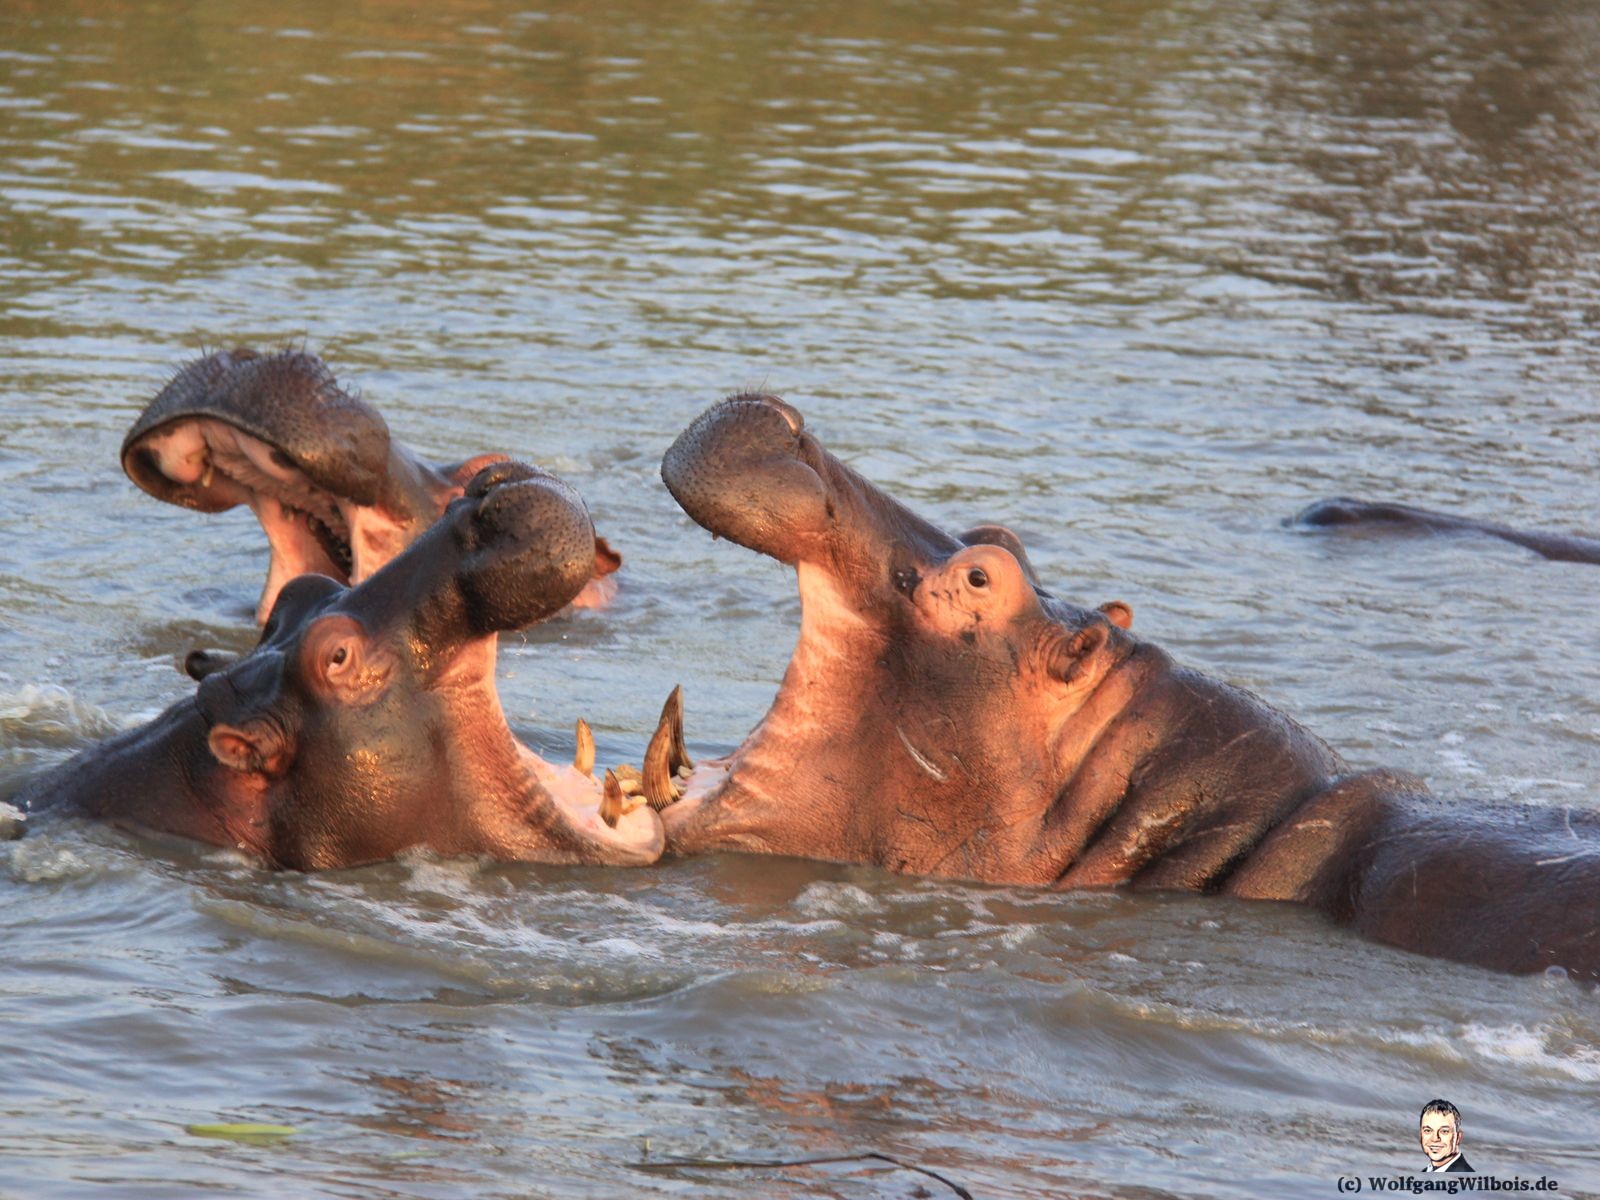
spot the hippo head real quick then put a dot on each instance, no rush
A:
(366, 720)
(929, 714)
(334, 493)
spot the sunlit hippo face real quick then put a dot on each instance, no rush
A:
(926, 701)
(366, 720)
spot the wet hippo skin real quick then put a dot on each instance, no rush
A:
(1342, 512)
(366, 720)
(944, 715)
(335, 494)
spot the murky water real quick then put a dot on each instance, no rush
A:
(1139, 279)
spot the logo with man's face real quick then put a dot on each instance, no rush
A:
(1440, 1134)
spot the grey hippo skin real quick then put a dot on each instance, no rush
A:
(366, 720)
(1342, 511)
(942, 715)
(334, 493)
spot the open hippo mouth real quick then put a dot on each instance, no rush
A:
(277, 433)
(919, 720)
(941, 715)
(334, 493)
(367, 719)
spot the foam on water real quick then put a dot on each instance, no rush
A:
(51, 716)
(39, 858)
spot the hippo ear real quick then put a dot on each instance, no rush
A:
(1073, 654)
(253, 748)
(1118, 613)
(199, 663)
(606, 560)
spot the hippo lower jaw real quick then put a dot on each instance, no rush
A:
(636, 840)
(632, 838)
(707, 791)
(545, 812)
(743, 802)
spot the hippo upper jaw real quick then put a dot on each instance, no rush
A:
(748, 471)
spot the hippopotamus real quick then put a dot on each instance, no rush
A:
(1341, 511)
(334, 493)
(945, 715)
(366, 721)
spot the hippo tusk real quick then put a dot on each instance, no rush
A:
(209, 474)
(672, 715)
(584, 758)
(611, 807)
(659, 787)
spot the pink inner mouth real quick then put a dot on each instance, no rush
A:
(309, 530)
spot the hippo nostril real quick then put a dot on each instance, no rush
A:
(977, 578)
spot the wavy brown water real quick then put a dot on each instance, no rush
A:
(1139, 279)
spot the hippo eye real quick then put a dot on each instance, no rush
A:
(978, 578)
(339, 660)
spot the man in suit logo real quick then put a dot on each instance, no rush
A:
(1441, 1137)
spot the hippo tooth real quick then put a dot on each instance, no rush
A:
(672, 716)
(611, 804)
(584, 758)
(659, 787)
(209, 474)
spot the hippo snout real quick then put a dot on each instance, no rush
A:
(746, 470)
(729, 438)
(528, 542)
(288, 404)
